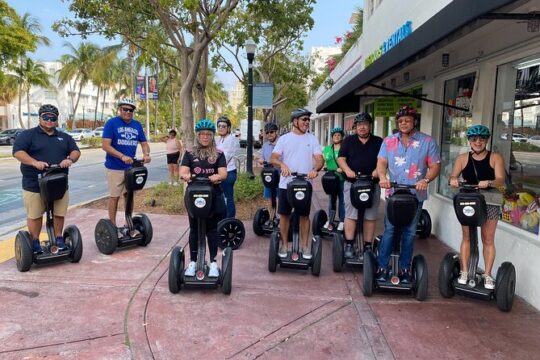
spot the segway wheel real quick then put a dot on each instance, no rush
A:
(106, 236)
(261, 217)
(316, 250)
(24, 255)
(226, 265)
(337, 252)
(420, 278)
(448, 271)
(423, 229)
(319, 219)
(369, 272)
(143, 224)
(231, 233)
(176, 268)
(505, 286)
(73, 239)
(273, 251)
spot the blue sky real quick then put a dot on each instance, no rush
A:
(331, 20)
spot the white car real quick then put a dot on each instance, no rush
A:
(519, 138)
(534, 140)
(79, 134)
(98, 132)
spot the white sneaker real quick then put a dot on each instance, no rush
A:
(489, 282)
(340, 226)
(190, 271)
(214, 270)
(462, 279)
(306, 253)
(326, 225)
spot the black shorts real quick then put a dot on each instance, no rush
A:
(173, 158)
(284, 208)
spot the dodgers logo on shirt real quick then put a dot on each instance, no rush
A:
(129, 136)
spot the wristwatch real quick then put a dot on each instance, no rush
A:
(426, 180)
(70, 159)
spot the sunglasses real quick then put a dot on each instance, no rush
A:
(305, 119)
(476, 138)
(49, 118)
(222, 126)
(270, 132)
(128, 110)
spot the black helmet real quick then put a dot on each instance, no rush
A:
(300, 112)
(270, 127)
(48, 108)
(363, 116)
(224, 119)
(406, 111)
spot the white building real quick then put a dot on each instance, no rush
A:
(236, 96)
(63, 98)
(460, 62)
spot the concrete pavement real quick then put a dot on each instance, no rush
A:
(119, 307)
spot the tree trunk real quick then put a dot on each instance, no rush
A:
(200, 88)
(103, 104)
(97, 104)
(28, 106)
(21, 123)
(76, 106)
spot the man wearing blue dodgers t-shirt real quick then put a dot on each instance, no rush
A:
(121, 135)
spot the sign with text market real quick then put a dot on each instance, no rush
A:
(263, 95)
(394, 39)
(388, 106)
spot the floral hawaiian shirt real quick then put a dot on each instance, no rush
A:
(407, 164)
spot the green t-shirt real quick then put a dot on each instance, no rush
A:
(330, 159)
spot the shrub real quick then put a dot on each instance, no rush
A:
(522, 146)
(93, 142)
(172, 197)
(247, 189)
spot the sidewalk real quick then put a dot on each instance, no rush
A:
(119, 307)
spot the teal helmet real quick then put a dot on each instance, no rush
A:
(205, 124)
(337, 130)
(478, 130)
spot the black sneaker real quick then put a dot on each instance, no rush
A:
(60, 243)
(405, 276)
(349, 251)
(368, 247)
(382, 275)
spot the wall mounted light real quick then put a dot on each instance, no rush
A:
(445, 60)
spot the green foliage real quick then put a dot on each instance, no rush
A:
(172, 197)
(93, 142)
(523, 146)
(246, 189)
(15, 40)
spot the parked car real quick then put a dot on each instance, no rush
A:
(534, 140)
(519, 138)
(7, 137)
(98, 132)
(79, 134)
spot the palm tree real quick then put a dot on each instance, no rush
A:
(32, 25)
(8, 91)
(30, 73)
(101, 75)
(79, 66)
(216, 96)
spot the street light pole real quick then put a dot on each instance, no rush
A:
(250, 51)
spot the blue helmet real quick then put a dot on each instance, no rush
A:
(205, 124)
(478, 130)
(337, 130)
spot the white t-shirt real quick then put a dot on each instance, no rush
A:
(297, 152)
(228, 145)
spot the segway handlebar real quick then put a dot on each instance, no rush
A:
(298, 175)
(395, 185)
(51, 168)
(360, 176)
(463, 185)
(137, 162)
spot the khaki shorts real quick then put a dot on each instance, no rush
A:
(35, 206)
(115, 181)
(352, 213)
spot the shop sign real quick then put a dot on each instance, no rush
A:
(394, 39)
(388, 106)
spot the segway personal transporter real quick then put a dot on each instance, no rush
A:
(299, 192)
(331, 184)
(471, 210)
(53, 184)
(362, 192)
(423, 228)
(401, 211)
(231, 233)
(107, 234)
(198, 200)
(263, 224)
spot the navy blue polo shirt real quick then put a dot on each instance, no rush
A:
(360, 157)
(41, 146)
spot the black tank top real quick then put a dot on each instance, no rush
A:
(483, 170)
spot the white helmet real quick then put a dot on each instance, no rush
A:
(127, 101)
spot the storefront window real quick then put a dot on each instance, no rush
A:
(517, 137)
(457, 92)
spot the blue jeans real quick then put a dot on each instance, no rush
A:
(341, 203)
(407, 242)
(228, 191)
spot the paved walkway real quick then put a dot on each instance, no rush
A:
(119, 307)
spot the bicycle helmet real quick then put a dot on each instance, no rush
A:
(225, 120)
(337, 130)
(127, 101)
(205, 124)
(300, 112)
(363, 116)
(406, 111)
(270, 127)
(478, 130)
(48, 109)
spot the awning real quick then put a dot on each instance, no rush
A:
(441, 26)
